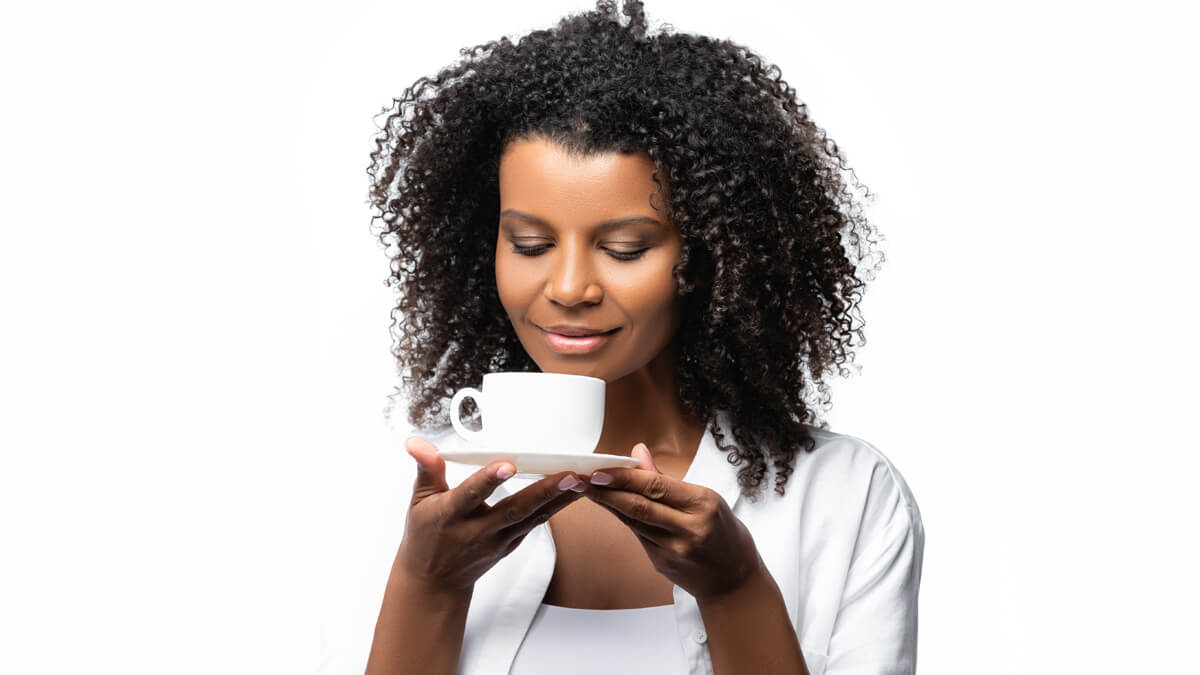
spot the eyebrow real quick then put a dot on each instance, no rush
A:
(606, 225)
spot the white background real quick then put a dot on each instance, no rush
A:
(195, 342)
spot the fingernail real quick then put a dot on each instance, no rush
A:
(601, 478)
(504, 472)
(567, 483)
(579, 486)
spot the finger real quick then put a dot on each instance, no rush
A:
(653, 485)
(517, 533)
(467, 496)
(542, 515)
(647, 533)
(431, 469)
(645, 459)
(525, 503)
(640, 508)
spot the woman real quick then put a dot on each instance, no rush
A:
(670, 191)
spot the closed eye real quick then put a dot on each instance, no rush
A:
(533, 251)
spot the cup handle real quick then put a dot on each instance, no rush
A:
(455, 408)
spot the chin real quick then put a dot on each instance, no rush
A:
(560, 367)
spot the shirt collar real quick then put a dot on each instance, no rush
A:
(711, 468)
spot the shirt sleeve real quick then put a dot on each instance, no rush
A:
(875, 632)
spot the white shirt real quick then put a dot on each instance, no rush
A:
(640, 640)
(844, 545)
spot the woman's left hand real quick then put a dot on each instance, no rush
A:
(688, 531)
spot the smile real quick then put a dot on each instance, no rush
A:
(564, 344)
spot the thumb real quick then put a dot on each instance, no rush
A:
(431, 469)
(645, 459)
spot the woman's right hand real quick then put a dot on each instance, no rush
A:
(453, 536)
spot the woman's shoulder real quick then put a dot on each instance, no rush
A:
(852, 453)
(845, 472)
(847, 469)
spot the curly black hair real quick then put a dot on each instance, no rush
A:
(775, 244)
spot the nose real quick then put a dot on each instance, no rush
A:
(572, 279)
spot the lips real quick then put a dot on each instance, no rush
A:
(575, 331)
(565, 344)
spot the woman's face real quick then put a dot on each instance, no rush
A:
(558, 263)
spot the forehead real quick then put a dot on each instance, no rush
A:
(540, 174)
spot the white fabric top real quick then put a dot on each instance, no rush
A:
(561, 639)
(844, 544)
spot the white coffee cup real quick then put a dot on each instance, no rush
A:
(536, 413)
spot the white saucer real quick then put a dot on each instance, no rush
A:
(539, 463)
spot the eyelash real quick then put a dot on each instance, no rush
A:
(533, 251)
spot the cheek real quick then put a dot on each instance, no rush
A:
(649, 289)
(649, 302)
(511, 286)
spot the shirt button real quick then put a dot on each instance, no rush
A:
(699, 636)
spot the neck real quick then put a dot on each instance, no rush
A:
(644, 406)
